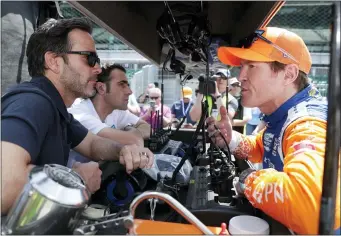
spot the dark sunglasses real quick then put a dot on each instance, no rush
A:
(92, 57)
(153, 98)
(248, 41)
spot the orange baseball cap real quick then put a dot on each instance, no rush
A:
(267, 45)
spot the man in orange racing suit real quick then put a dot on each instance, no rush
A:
(274, 66)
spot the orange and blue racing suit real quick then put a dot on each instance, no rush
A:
(290, 149)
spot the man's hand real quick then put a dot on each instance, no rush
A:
(90, 173)
(217, 129)
(133, 157)
(151, 111)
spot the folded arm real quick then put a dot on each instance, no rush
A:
(122, 137)
(98, 148)
(101, 129)
(142, 128)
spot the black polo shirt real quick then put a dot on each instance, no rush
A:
(35, 118)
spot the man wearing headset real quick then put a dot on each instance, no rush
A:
(274, 66)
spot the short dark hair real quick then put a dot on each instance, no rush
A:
(104, 76)
(302, 80)
(52, 36)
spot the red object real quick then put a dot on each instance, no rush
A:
(223, 229)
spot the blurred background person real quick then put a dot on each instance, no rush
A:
(182, 107)
(216, 99)
(133, 105)
(234, 87)
(240, 118)
(150, 115)
(254, 121)
(143, 98)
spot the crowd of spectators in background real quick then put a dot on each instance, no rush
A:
(227, 93)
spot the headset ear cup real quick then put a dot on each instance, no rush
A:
(139, 179)
(109, 168)
(118, 188)
(109, 171)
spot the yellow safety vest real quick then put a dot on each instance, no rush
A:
(210, 104)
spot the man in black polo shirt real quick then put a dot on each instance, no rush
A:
(36, 128)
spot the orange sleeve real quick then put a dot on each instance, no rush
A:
(293, 196)
(249, 147)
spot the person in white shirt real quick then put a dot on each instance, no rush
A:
(133, 105)
(106, 114)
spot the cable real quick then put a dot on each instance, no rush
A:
(218, 149)
(170, 11)
(170, 52)
(226, 144)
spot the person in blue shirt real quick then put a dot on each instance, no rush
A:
(254, 121)
(182, 107)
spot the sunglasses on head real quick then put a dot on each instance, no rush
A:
(92, 57)
(248, 41)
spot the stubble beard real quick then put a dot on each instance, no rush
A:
(121, 106)
(73, 84)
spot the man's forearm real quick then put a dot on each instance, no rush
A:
(11, 187)
(103, 149)
(143, 129)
